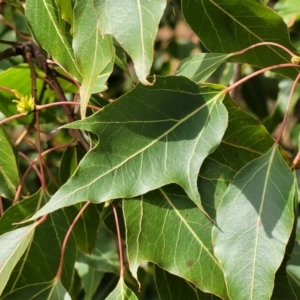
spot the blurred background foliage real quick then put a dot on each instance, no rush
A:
(264, 96)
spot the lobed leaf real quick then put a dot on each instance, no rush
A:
(253, 225)
(141, 137)
(166, 228)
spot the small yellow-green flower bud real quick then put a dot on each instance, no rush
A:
(296, 60)
(25, 105)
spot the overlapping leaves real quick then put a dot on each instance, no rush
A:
(141, 137)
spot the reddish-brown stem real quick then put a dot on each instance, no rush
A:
(296, 160)
(19, 33)
(3, 88)
(1, 207)
(21, 137)
(233, 86)
(32, 165)
(42, 219)
(40, 107)
(264, 44)
(119, 240)
(49, 61)
(39, 148)
(287, 109)
(18, 116)
(63, 248)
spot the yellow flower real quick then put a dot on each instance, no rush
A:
(295, 60)
(25, 105)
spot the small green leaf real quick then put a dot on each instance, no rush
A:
(148, 128)
(200, 66)
(9, 175)
(122, 292)
(91, 279)
(65, 10)
(255, 218)
(104, 257)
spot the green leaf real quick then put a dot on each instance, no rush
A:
(244, 139)
(100, 85)
(165, 227)
(53, 290)
(9, 175)
(229, 26)
(12, 246)
(288, 10)
(253, 225)
(70, 161)
(200, 66)
(293, 268)
(142, 136)
(122, 292)
(35, 267)
(53, 34)
(137, 35)
(173, 287)
(15, 3)
(93, 52)
(104, 257)
(17, 78)
(91, 279)
(86, 228)
(65, 10)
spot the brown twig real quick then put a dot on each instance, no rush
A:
(122, 270)
(63, 248)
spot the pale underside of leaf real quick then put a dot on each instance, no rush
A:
(254, 222)
(12, 246)
(134, 25)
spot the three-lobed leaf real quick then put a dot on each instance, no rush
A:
(150, 137)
